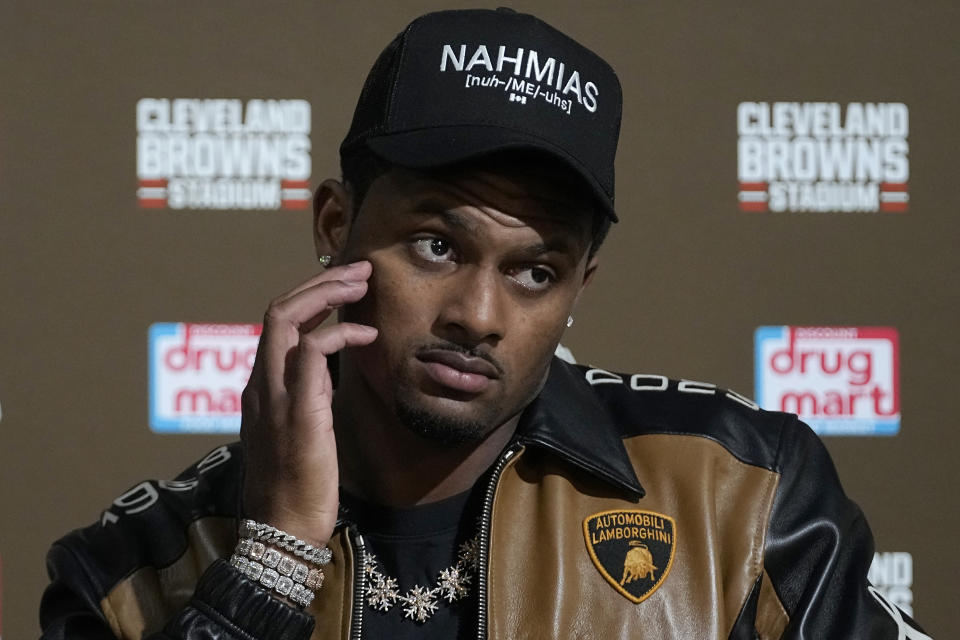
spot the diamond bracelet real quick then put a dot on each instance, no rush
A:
(275, 537)
(277, 571)
(296, 592)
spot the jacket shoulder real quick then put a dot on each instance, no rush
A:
(643, 404)
(149, 524)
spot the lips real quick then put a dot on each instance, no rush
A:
(459, 372)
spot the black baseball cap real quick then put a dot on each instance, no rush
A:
(456, 85)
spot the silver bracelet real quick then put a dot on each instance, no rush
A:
(271, 558)
(299, 593)
(270, 535)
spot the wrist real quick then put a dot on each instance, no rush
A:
(315, 529)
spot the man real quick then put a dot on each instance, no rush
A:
(465, 482)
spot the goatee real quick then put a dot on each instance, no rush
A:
(444, 430)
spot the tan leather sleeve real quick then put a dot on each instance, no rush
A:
(332, 606)
(143, 602)
(772, 618)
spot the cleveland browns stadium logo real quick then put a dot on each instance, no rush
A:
(633, 550)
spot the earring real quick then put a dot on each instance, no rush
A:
(569, 321)
(325, 261)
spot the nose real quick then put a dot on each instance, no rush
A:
(474, 310)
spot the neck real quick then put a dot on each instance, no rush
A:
(384, 462)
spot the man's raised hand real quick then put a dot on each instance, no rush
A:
(291, 479)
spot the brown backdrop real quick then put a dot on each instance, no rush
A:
(685, 279)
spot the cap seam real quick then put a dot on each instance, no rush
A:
(391, 102)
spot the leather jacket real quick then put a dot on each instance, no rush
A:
(627, 506)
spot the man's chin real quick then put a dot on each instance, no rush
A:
(442, 427)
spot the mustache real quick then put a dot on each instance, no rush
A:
(472, 352)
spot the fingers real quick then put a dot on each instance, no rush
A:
(322, 342)
(349, 272)
(287, 320)
(250, 408)
(311, 389)
(312, 305)
(353, 272)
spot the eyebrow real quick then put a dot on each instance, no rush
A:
(452, 218)
(555, 245)
(432, 207)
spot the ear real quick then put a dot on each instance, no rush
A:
(332, 215)
(588, 274)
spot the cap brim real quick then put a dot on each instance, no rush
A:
(439, 146)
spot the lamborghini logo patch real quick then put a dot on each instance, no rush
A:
(633, 550)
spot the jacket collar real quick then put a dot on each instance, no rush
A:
(568, 419)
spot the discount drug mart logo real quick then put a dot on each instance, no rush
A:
(839, 380)
(197, 373)
(223, 154)
(820, 156)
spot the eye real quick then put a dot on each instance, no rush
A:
(433, 249)
(535, 278)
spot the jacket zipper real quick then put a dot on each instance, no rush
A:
(356, 622)
(483, 560)
(360, 552)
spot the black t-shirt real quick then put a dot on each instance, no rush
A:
(413, 545)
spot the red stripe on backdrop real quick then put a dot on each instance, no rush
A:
(884, 333)
(753, 186)
(153, 203)
(893, 186)
(294, 184)
(893, 206)
(153, 183)
(295, 204)
(753, 206)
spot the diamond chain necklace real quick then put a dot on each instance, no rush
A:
(419, 603)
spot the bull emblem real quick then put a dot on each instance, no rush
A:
(638, 563)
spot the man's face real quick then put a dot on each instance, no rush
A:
(474, 275)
